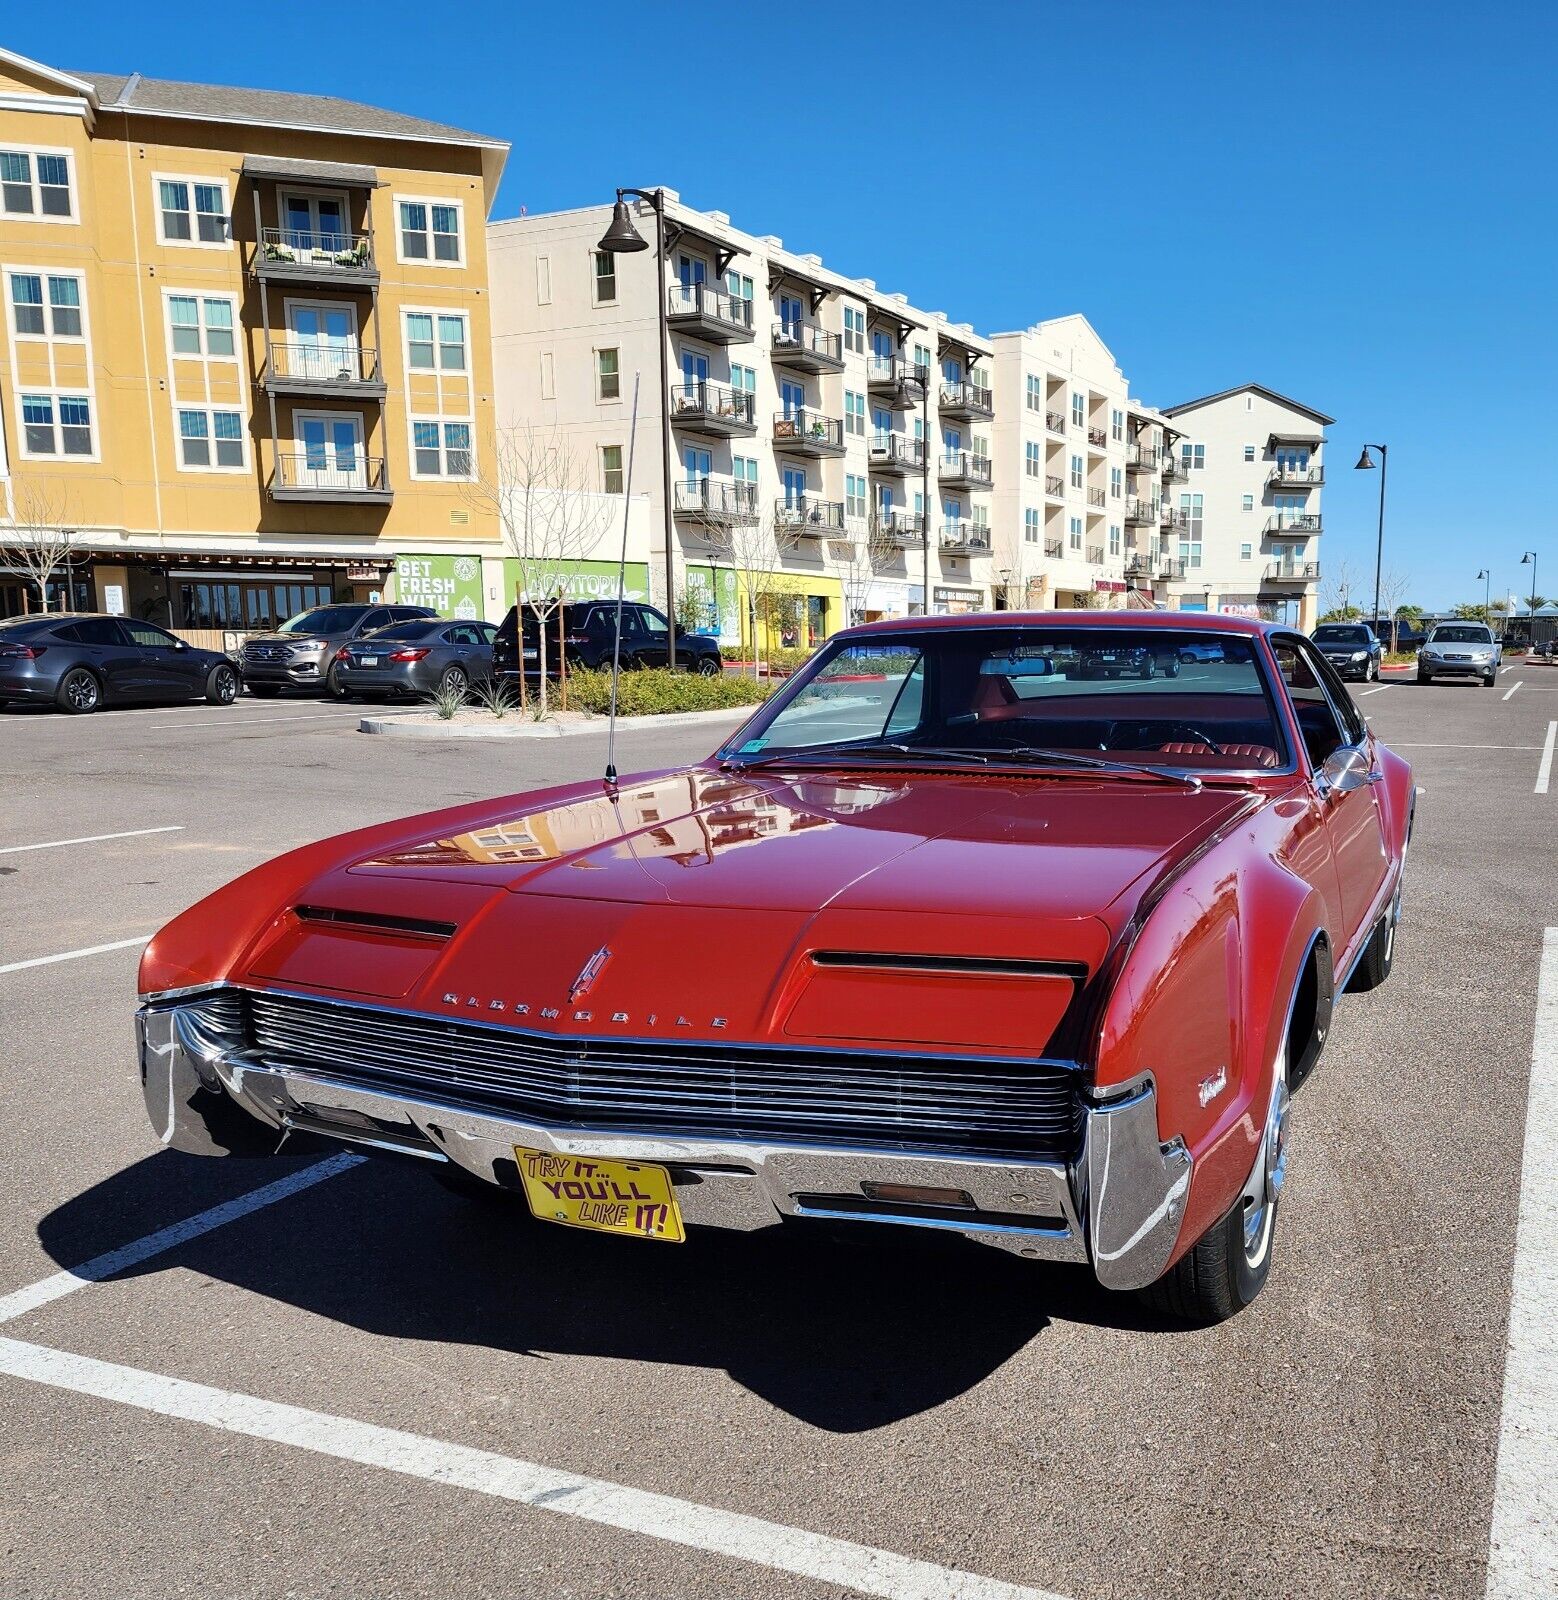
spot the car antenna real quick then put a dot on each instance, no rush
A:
(622, 571)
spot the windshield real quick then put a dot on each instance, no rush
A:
(322, 619)
(1148, 697)
(1335, 635)
(1461, 635)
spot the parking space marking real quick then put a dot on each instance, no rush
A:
(1523, 1540)
(59, 1284)
(75, 955)
(1512, 688)
(1455, 744)
(1544, 770)
(860, 1568)
(91, 838)
(1382, 688)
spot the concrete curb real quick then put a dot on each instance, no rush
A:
(522, 728)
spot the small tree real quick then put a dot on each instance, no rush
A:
(754, 548)
(539, 489)
(1336, 600)
(43, 538)
(859, 558)
(1392, 591)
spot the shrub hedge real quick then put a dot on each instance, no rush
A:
(657, 692)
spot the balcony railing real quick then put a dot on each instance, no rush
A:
(1054, 485)
(712, 499)
(1294, 522)
(1170, 518)
(1173, 467)
(1096, 499)
(316, 476)
(959, 468)
(804, 345)
(803, 432)
(708, 310)
(713, 408)
(901, 527)
(1140, 511)
(808, 515)
(1098, 438)
(895, 372)
(1095, 555)
(1155, 569)
(1292, 572)
(298, 252)
(1281, 477)
(1055, 421)
(966, 400)
(1142, 457)
(322, 366)
(972, 538)
(897, 452)
(1054, 549)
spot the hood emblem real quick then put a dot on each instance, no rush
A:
(588, 973)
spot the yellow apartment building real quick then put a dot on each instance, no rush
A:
(245, 353)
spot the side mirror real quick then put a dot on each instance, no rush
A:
(181, 644)
(1344, 770)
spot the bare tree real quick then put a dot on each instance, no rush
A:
(540, 490)
(42, 537)
(1392, 594)
(754, 548)
(869, 547)
(1341, 583)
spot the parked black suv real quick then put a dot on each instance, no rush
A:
(587, 628)
(1352, 648)
(303, 650)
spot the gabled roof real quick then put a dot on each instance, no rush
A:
(1250, 388)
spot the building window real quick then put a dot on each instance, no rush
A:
(605, 278)
(440, 449)
(210, 438)
(854, 413)
(435, 341)
(922, 357)
(611, 468)
(35, 315)
(743, 378)
(1030, 526)
(854, 330)
(608, 379)
(1115, 483)
(201, 325)
(1035, 392)
(1117, 426)
(1249, 452)
(1192, 457)
(430, 231)
(1074, 533)
(1190, 509)
(193, 212)
(1114, 539)
(744, 470)
(1249, 502)
(56, 425)
(1078, 410)
(738, 285)
(1076, 472)
(34, 183)
(1245, 552)
(854, 495)
(1032, 459)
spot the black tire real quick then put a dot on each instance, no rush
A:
(1424, 677)
(334, 688)
(1146, 671)
(221, 685)
(454, 680)
(263, 691)
(1379, 954)
(1490, 680)
(1371, 673)
(80, 693)
(708, 667)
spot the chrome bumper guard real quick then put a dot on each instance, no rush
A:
(1118, 1206)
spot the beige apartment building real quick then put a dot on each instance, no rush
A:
(1248, 476)
(245, 354)
(836, 429)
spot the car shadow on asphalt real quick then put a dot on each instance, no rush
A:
(847, 1332)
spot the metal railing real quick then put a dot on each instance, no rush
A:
(1291, 572)
(902, 527)
(1055, 421)
(301, 247)
(1161, 569)
(1294, 522)
(1095, 555)
(1138, 510)
(345, 364)
(1168, 517)
(1054, 549)
(806, 336)
(809, 427)
(1098, 437)
(890, 371)
(1096, 498)
(1054, 484)
(702, 397)
(706, 300)
(1298, 477)
(809, 514)
(964, 465)
(1142, 455)
(966, 396)
(974, 536)
(1173, 466)
(897, 449)
(342, 475)
(716, 497)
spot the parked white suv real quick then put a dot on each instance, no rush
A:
(1459, 650)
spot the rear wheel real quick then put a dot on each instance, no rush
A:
(222, 685)
(708, 667)
(454, 681)
(1379, 955)
(79, 692)
(264, 691)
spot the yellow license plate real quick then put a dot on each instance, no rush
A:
(607, 1196)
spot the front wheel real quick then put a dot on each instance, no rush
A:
(221, 686)
(1372, 675)
(1425, 677)
(1490, 680)
(708, 667)
(79, 692)
(333, 685)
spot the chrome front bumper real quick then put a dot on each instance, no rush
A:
(1119, 1205)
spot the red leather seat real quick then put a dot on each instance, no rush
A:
(996, 699)
(1255, 755)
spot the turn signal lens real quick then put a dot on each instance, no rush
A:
(917, 1194)
(407, 655)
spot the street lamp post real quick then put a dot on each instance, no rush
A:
(621, 239)
(1487, 595)
(1530, 556)
(1365, 462)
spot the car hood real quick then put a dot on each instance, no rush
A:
(925, 909)
(292, 638)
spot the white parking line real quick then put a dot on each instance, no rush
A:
(74, 955)
(1523, 1540)
(1509, 668)
(1544, 771)
(59, 1284)
(1455, 744)
(1382, 688)
(1511, 689)
(835, 1562)
(91, 838)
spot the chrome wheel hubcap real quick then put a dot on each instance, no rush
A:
(1264, 1189)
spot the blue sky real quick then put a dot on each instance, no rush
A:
(1354, 204)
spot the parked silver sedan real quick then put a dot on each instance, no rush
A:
(1460, 650)
(419, 658)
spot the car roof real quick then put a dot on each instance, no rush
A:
(1180, 621)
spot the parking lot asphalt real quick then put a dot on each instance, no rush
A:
(761, 1415)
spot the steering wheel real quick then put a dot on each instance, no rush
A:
(1196, 733)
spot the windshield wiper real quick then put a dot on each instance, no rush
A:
(1069, 758)
(833, 753)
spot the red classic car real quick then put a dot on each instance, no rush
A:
(952, 934)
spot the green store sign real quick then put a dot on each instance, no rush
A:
(718, 597)
(450, 584)
(584, 580)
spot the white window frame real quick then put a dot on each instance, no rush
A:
(440, 418)
(596, 374)
(205, 361)
(438, 369)
(429, 260)
(209, 409)
(207, 180)
(596, 275)
(621, 468)
(43, 274)
(16, 147)
(1032, 526)
(55, 393)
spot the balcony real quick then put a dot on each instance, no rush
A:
(810, 517)
(896, 454)
(1173, 467)
(901, 527)
(1155, 569)
(1098, 438)
(808, 433)
(713, 408)
(1095, 555)
(1142, 457)
(706, 312)
(965, 538)
(359, 480)
(1140, 513)
(1055, 486)
(1096, 499)
(807, 348)
(889, 374)
(1281, 477)
(1294, 522)
(960, 469)
(293, 255)
(1291, 572)
(1055, 421)
(322, 369)
(968, 402)
(715, 502)
(1171, 520)
(1054, 549)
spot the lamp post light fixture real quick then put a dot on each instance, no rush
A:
(622, 238)
(1365, 463)
(1487, 595)
(1530, 556)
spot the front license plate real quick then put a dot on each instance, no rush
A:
(606, 1196)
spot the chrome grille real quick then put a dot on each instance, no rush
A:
(960, 1103)
(267, 652)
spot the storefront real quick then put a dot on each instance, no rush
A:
(715, 595)
(579, 580)
(948, 602)
(451, 585)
